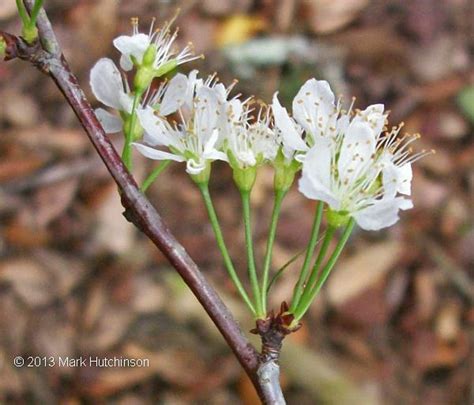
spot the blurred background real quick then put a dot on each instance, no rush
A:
(394, 323)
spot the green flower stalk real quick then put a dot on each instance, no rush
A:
(154, 175)
(278, 199)
(29, 30)
(204, 189)
(252, 269)
(130, 132)
(312, 290)
(298, 291)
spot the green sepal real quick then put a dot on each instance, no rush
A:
(167, 67)
(137, 130)
(30, 33)
(244, 177)
(337, 219)
(285, 172)
(149, 56)
(203, 177)
(143, 78)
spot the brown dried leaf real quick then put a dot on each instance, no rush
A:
(29, 280)
(448, 322)
(113, 232)
(19, 166)
(21, 110)
(7, 9)
(147, 296)
(60, 140)
(48, 203)
(356, 274)
(425, 294)
(330, 15)
(178, 367)
(43, 278)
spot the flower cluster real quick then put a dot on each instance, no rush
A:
(349, 159)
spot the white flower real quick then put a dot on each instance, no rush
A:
(111, 90)
(133, 47)
(193, 140)
(249, 143)
(360, 171)
(315, 114)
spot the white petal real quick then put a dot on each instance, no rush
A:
(209, 145)
(310, 191)
(154, 131)
(236, 107)
(126, 103)
(405, 175)
(158, 131)
(111, 123)
(126, 63)
(396, 179)
(313, 106)
(216, 155)
(357, 149)
(221, 92)
(106, 83)
(175, 95)
(195, 167)
(374, 116)
(291, 137)
(205, 117)
(133, 45)
(156, 154)
(315, 182)
(192, 82)
(382, 214)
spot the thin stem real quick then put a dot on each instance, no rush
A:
(252, 270)
(203, 187)
(34, 12)
(280, 271)
(316, 267)
(127, 147)
(279, 195)
(46, 32)
(25, 18)
(154, 174)
(306, 301)
(298, 291)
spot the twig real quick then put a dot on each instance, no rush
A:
(49, 59)
(273, 331)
